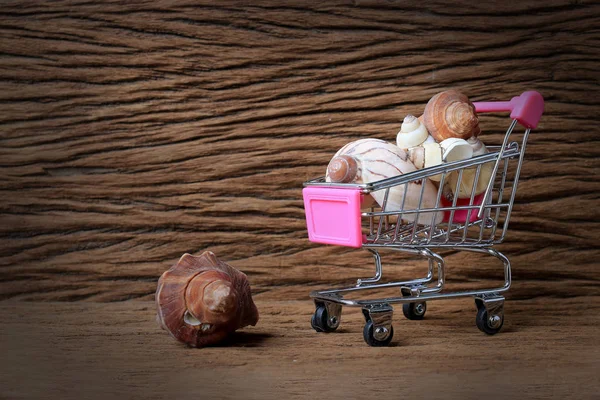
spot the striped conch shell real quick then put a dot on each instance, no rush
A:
(469, 174)
(371, 160)
(201, 300)
(450, 114)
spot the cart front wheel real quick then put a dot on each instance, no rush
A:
(488, 324)
(377, 337)
(321, 322)
(414, 311)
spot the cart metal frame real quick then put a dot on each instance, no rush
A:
(387, 230)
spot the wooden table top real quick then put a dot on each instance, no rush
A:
(133, 133)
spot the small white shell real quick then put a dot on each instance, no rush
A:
(468, 177)
(477, 145)
(433, 157)
(425, 156)
(430, 139)
(456, 149)
(417, 156)
(412, 133)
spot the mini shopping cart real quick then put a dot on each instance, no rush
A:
(474, 224)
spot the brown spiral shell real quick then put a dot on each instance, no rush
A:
(450, 114)
(343, 169)
(201, 300)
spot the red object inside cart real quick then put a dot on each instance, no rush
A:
(460, 216)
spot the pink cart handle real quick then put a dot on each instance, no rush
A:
(526, 108)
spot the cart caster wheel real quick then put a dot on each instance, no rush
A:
(414, 311)
(490, 325)
(321, 322)
(377, 337)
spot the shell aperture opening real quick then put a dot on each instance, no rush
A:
(189, 319)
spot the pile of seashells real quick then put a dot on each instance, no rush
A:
(447, 131)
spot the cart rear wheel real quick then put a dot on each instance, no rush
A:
(414, 311)
(490, 325)
(378, 337)
(321, 322)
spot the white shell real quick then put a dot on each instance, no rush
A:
(430, 139)
(416, 155)
(456, 149)
(425, 156)
(433, 157)
(379, 160)
(477, 145)
(468, 180)
(412, 133)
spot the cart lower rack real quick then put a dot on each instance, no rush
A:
(334, 215)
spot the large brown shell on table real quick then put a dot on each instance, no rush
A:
(450, 114)
(201, 300)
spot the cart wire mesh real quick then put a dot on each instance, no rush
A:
(487, 214)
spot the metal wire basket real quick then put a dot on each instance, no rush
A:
(473, 223)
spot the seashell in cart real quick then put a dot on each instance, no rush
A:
(423, 150)
(412, 133)
(470, 181)
(450, 114)
(428, 154)
(371, 160)
(455, 149)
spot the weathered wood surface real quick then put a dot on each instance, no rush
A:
(548, 350)
(133, 133)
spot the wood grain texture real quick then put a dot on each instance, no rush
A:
(116, 351)
(133, 133)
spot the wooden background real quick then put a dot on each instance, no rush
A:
(133, 132)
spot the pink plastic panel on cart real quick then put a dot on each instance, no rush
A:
(333, 216)
(526, 108)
